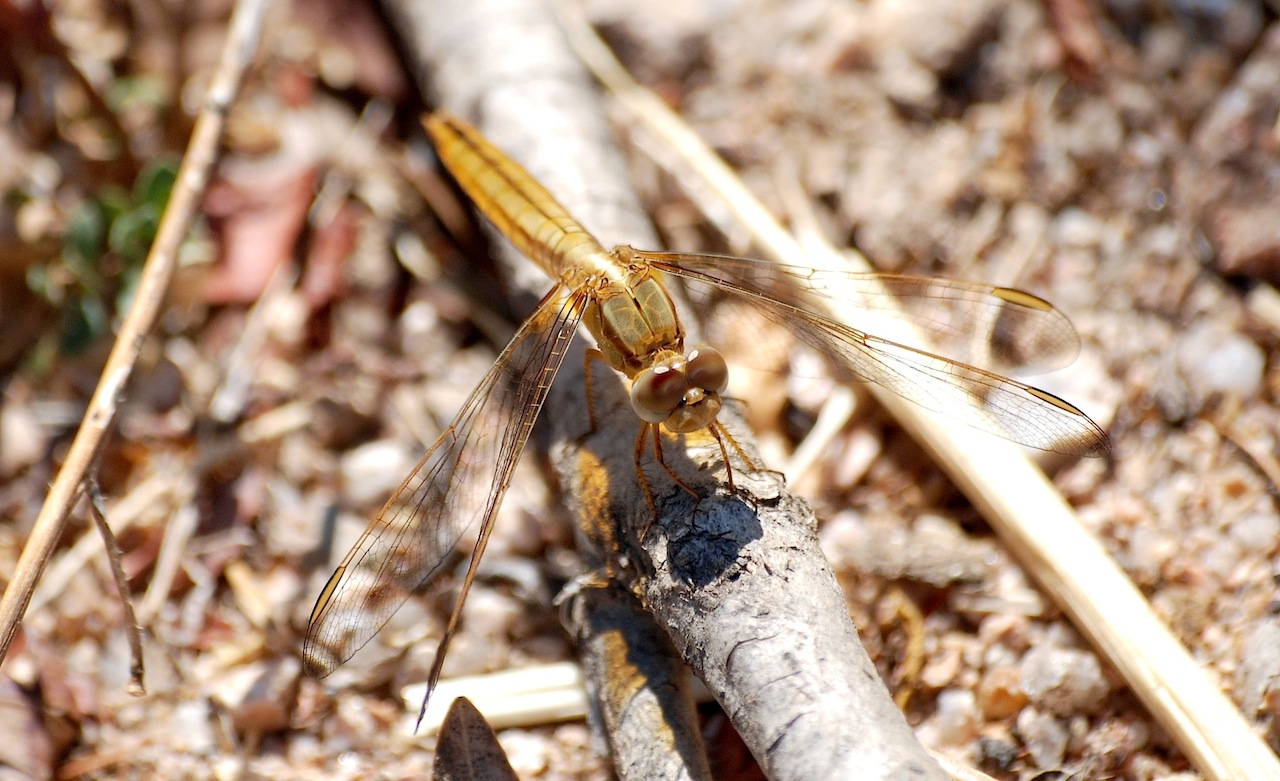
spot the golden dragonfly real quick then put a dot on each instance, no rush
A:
(618, 295)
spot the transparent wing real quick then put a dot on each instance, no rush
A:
(461, 480)
(1000, 328)
(980, 398)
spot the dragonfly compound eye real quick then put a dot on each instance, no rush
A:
(656, 392)
(706, 369)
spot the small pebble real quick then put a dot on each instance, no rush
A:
(1222, 557)
(1214, 360)
(935, 33)
(1148, 550)
(260, 696)
(997, 753)
(1063, 681)
(1000, 693)
(526, 752)
(189, 726)
(1257, 532)
(956, 719)
(1044, 736)
(372, 471)
(942, 668)
(338, 426)
(1258, 677)
(1077, 228)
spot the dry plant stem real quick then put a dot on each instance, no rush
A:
(177, 535)
(746, 597)
(522, 697)
(136, 672)
(154, 491)
(157, 273)
(1013, 494)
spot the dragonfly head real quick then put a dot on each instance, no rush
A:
(681, 392)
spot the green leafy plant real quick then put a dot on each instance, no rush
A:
(103, 250)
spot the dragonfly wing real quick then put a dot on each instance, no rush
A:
(1000, 328)
(982, 399)
(461, 480)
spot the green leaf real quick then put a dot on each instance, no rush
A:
(155, 183)
(127, 92)
(132, 233)
(114, 202)
(84, 320)
(83, 243)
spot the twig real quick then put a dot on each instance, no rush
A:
(152, 492)
(542, 694)
(177, 534)
(1015, 496)
(432, 32)
(157, 273)
(136, 672)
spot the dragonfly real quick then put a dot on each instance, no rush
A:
(619, 296)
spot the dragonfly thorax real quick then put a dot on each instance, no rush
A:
(633, 321)
(681, 392)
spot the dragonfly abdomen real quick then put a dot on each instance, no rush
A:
(521, 208)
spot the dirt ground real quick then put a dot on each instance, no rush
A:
(1116, 158)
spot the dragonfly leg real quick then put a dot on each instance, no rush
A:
(644, 481)
(716, 431)
(657, 453)
(662, 462)
(721, 434)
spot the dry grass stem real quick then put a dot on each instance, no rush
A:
(137, 673)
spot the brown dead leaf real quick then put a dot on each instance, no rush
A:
(332, 244)
(468, 750)
(259, 223)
